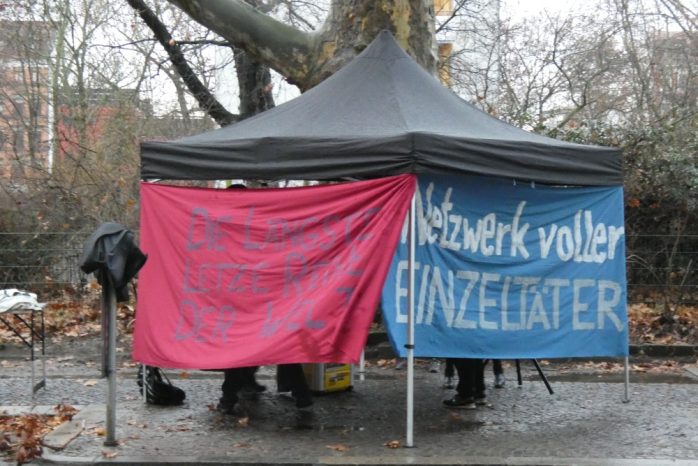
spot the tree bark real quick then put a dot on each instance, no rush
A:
(254, 80)
(306, 59)
(267, 40)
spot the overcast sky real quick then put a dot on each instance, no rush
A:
(528, 7)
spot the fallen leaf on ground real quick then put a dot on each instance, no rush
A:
(64, 412)
(90, 383)
(109, 454)
(241, 445)
(5, 442)
(25, 454)
(392, 444)
(244, 421)
(21, 436)
(338, 447)
(100, 431)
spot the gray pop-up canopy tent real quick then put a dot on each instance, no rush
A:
(380, 115)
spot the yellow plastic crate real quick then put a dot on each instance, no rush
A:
(326, 378)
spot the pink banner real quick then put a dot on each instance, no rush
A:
(253, 277)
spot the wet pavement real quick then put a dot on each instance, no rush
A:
(583, 422)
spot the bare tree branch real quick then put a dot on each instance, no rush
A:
(285, 49)
(219, 43)
(203, 96)
(454, 13)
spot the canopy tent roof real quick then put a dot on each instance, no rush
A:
(380, 115)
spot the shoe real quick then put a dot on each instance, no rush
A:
(434, 366)
(400, 364)
(249, 394)
(304, 400)
(459, 402)
(227, 407)
(251, 391)
(499, 380)
(254, 386)
(481, 400)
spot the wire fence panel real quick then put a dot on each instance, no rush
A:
(41, 262)
(663, 267)
(660, 268)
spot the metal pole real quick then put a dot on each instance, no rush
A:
(362, 365)
(626, 369)
(109, 307)
(410, 328)
(144, 374)
(518, 372)
(543, 377)
(43, 350)
(31, 349)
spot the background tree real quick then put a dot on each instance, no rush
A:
(617, 73)
(306, 58)
(80, 104)
(622, 74)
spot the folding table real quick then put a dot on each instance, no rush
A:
(24, 316)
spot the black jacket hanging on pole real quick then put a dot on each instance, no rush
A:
(111, 249)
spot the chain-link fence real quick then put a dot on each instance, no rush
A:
(42, 262)
(662, 269)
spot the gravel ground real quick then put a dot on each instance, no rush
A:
(584, 418)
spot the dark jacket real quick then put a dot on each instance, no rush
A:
(111, 249)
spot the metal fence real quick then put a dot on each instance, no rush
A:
(41, 262)
(661, 268)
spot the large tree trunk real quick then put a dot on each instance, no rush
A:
(254, 82)
(352, 25)
(306, 59)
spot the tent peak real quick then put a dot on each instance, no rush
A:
(384, 47)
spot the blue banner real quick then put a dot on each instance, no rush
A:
(512, 270)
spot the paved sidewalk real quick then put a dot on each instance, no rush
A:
(585, 422)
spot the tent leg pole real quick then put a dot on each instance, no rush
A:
(362, 365)
(410, 328)
(626, 370)
(143, 378)
(543, 377)
(518, 373)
